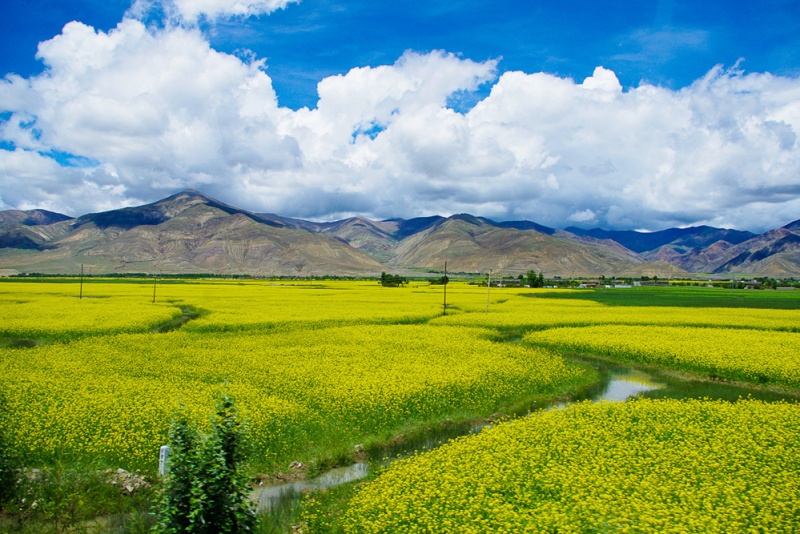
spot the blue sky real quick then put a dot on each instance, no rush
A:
(666, 42)
(460, 58)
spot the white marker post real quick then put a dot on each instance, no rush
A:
(163, 460)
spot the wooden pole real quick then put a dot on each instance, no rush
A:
(488, 288)
(155, 283)
(444, 280)
(80, 294)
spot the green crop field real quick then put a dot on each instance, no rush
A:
(686, 297)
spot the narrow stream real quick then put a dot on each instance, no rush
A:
(617, 384)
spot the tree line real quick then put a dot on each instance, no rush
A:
(392, 280)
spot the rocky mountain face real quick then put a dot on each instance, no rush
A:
(703, 249)
(30, 218)
(193, 233)
(186, 233)
(474, 244)
(775, 253)
(28, 229)
(679, 239)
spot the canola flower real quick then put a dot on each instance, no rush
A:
(317, 367)
(256, 305)
(53, 311)
(641, 466)
(512, 309)
(750, 355)
(302, 391)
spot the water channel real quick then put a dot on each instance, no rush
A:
(617, 383)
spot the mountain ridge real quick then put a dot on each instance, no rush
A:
(192, 232)
(693, 236)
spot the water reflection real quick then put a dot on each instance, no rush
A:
(270, 497)
(622, 387)
(659, 385)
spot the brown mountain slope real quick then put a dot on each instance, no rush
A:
(693, 260)
(28, 229)
(189, 233)
(660, 268)
(365, 235)
(471, 244)
(30, 217)
(775, 253)
(192, 233)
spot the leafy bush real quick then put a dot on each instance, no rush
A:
(8, 467)
(204, 491)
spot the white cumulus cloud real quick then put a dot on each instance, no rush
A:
(584, 216)
(150, 111)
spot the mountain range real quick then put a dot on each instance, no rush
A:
(190, 232)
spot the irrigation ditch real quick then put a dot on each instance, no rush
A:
(617, 383)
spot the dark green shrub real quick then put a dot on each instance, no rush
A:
(8, 462)
(205, 491)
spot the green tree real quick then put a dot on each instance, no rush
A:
(534, 280)
(8, 461)
(392, 280)
(205, 492)
(227, 508)
(178, 513)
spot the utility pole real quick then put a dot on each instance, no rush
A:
(488, 288)
(80, 294)
(155, 283)
(444, 281)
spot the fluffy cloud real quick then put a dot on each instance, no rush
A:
(163, 109)
(29, 180)
(191, 11)
(152, 111)
(583, 217)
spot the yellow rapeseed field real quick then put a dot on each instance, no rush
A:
(257, 305)
(304, 388)
(510, 309)
(317, 367)
(642, 466)
(756, 356)
(32, 310)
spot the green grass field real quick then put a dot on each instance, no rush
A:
(688, 297)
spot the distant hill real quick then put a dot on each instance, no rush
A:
(474, 244)
(526, 225)
(678, 238)
(25, 229)
(30, 217)
(775, 253)
(164, 210)
(190, 232)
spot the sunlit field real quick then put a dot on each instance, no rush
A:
(640, 466)
(758, 356)
(316, 369)
(320, 367)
